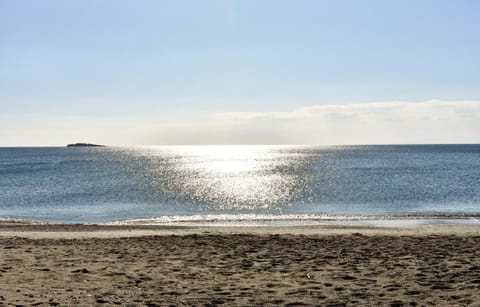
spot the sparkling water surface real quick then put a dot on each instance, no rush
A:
(208, 183)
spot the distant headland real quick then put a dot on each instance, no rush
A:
(84, 145)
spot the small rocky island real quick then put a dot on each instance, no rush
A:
(84, 145)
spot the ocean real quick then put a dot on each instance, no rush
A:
(239, 184)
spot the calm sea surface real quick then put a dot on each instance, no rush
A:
(244, 183)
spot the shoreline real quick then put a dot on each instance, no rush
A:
(253, 220)
(85, 231)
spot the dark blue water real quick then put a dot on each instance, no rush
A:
(86, 185)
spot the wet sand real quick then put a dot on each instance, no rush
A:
(62, 265)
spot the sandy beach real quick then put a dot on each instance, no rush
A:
(50, 265)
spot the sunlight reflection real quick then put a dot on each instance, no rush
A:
(229, 177)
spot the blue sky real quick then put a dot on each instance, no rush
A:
(124, 72)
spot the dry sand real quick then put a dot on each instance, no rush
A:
(318, 265)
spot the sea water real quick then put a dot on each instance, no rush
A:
(247, 184)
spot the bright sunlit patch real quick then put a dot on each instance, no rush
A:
(226, 159)
(228, 177)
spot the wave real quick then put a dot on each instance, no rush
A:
(239, 220)
(298, 220)
(19, 221)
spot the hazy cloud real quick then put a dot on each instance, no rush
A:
(391, 122)
(432, 121)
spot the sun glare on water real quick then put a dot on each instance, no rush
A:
(228, 177)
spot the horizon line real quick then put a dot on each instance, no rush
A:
(169, 145)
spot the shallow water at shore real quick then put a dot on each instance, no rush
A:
(277, 221)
